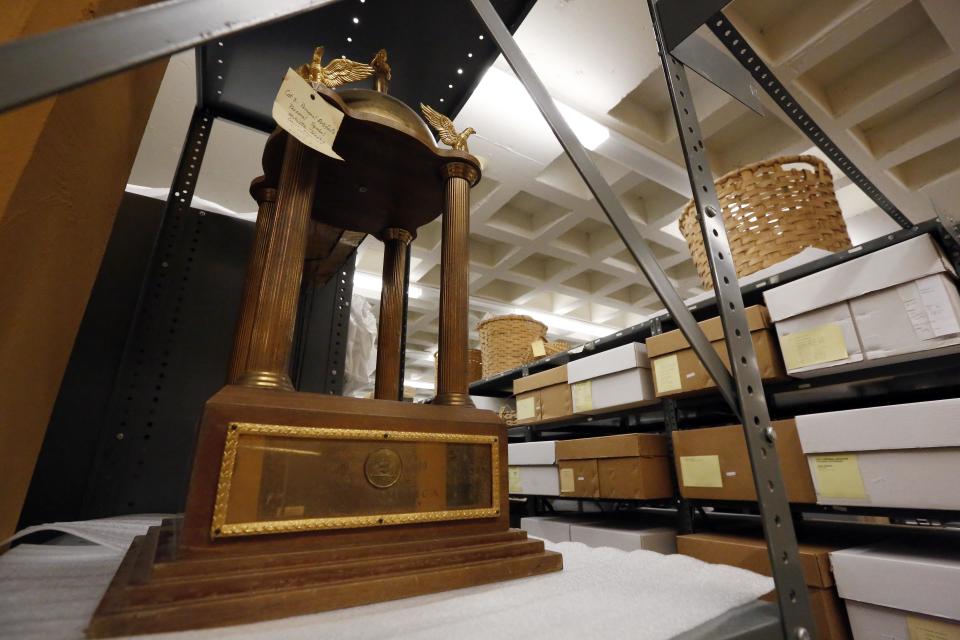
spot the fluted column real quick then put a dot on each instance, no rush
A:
(274, 316)
(266, 198)
(390, 327)
(455, 285)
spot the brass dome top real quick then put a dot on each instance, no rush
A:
(385, 106)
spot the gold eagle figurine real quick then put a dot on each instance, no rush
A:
(340, 71)
(444, 127)
(382, 69)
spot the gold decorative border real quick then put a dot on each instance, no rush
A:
(220, 529)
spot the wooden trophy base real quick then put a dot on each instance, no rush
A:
(379, 500)
(152, 594)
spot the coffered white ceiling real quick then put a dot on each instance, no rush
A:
(882, 77)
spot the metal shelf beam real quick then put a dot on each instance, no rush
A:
(753, 63)
(40, 66)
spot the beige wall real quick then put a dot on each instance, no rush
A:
(63, 165)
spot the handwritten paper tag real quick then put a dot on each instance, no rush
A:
(567, 482)
(701, 471)
(514, 477)
(936, 301)
(582, 396)
(304, 114)
(931, 629)
(526, 408)
(666, 372)
(539, 349)
(814, 346)
(838, 476)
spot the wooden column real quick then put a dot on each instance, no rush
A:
(455, 285)
(275, 312)
(266, 198)
(390, 327)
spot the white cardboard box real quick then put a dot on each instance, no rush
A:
(905, 455)
(870, 622)
(535, 480)
(915, 316)
(890, 305)
(553, 528)
(626, 537)
(529, 453)
(616, 378)
(892, 589)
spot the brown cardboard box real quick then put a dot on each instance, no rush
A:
(640, 478)
(543, 396)
(631, 466)
(713, 464)
(748, 552)
(751, 553)
(677, 370)
(579, 478)
(625, 446)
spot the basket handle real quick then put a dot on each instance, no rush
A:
(821, 167)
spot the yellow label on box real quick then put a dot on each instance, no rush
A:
(526, 408)
(701, 471)
(930, 629)
(838, 476)
(539, 349)
(814, 346)
(566, 481)
(582, 396)
(666, 370)
(514, 475)
(304, 114)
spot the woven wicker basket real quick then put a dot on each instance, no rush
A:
(474, 365)
(557, 346)
(507, 415)
(771, 213)
(505, 342)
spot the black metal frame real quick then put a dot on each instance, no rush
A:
(671, 423)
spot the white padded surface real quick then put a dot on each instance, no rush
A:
(50, 591)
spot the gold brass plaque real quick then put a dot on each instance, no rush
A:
(277, 478)
(383, 468)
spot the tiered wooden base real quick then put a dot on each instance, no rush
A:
(152, 592)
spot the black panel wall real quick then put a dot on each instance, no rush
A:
(70, 445)
(121, 436)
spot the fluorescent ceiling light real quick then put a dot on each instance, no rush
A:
(512, 92)
(590, 132)
(370, 283)
(570, 325)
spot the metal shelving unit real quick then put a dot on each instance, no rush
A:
(499, 385)
(674, 21)
(164, 28)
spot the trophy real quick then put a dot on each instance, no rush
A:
(303, 502)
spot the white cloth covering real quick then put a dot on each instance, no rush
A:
(50, 591)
